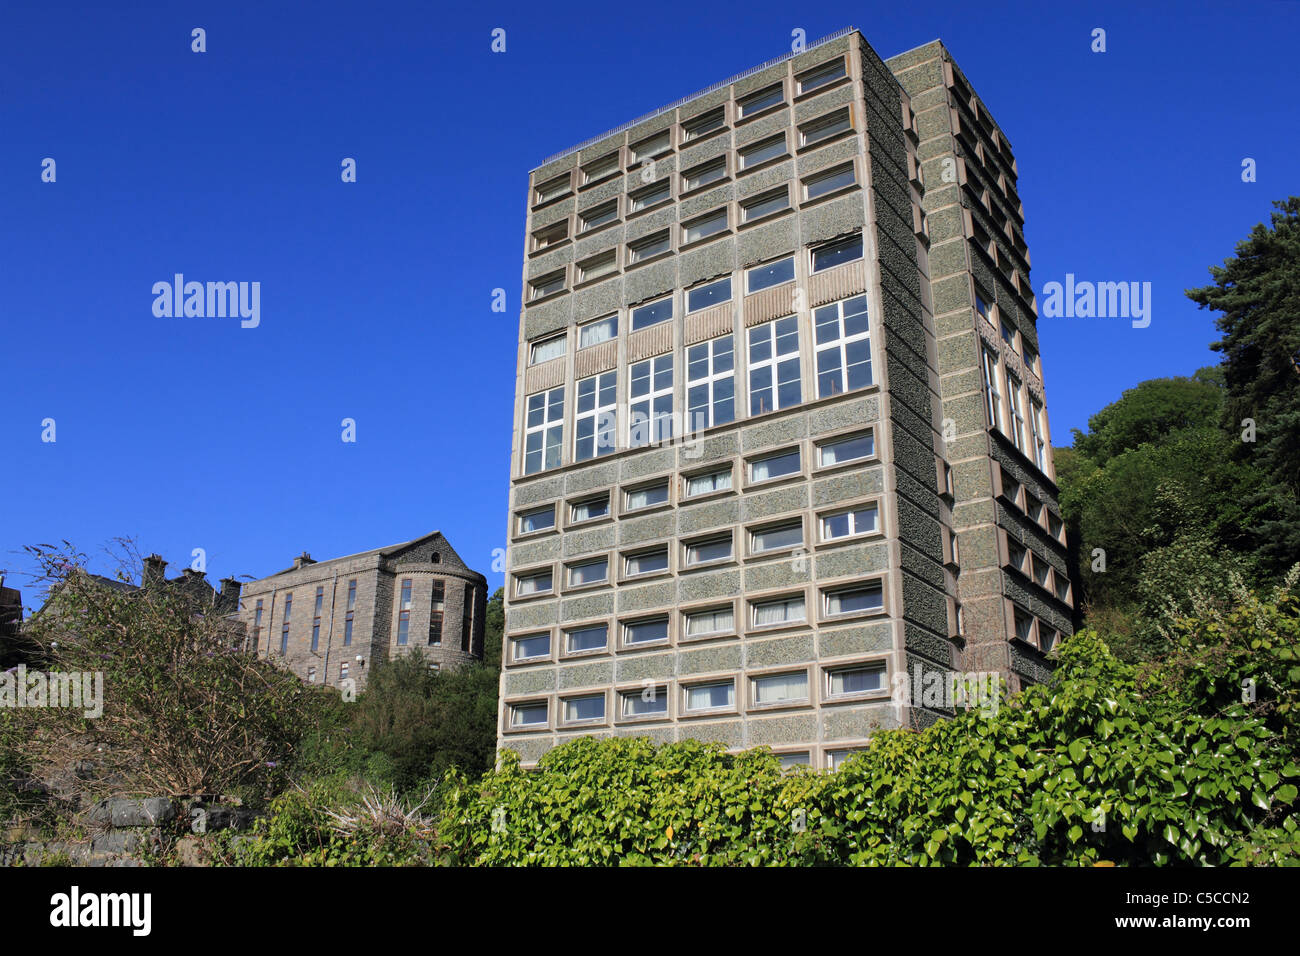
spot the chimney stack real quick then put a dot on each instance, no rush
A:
(155, 570)
(302, 561)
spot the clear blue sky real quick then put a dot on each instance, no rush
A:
(188, 433)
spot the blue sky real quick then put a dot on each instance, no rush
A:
(194, 433)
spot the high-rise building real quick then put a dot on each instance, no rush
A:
(781, 456)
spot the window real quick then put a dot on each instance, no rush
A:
(708, 483)
(544, 430)
(647, 315)
(1024, 624)
(598, 267)
(435, 628)
(858, 679)
(1034, 507)
(774, 374)
(993, 400)
(650, 196)
(1041, 570)
(602, 330)
(762, 100)
(257, 622)
(710, 384)
(835, 758)
(537, 520)
(343, 671)
(315, 621)
(762, 151)
(538, 582)
(651, 702)
(821, 76)
(528, 715)
(531, 646)
(709, 225)
(769, 274)
(825, 127)
(1054, 526)
(712, 293)
(437, 601)
(599, 169)
(847, 524)
(547, 284)
(1038, 444)
(1010, 487)
(466, 619)
(827, 182)
(651, 400)
(545, 238)
(588, 572)
(599, 215)
(284, 626)
(982, 305)
(792, 760)
(652, 245)
(351, 613)
(1061, 586)
(765, 205)
(1017, 556)
(647, 497)
(780, 688)
(704, 174)
(786, 535)
(652, 146)
(591, 508)
(596, 416)
(774, 466)
(704, 125)
(853, 600)
(708, 551)
(647, 631)
(593, 638)
(716, 621)
(646, 562)
(781, 611)
(552, 189)
(843, 346)
(1031, 359)
(1017, 412)
(840, 450)
(1008, 334)
(547, 349)
(1046, 639)
(711, 696)
(835, 253)
(404, 614)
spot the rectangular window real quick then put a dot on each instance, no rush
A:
(852, 600)
(647, 315)
(528, 715)
(547, 349)
(343, 671)
(786, 535)
(257, 624)
(547, 284)
(284, 626)
(836, 253)
(765, 205)
(351, 613)
(708, 551)
(602, 330)
(1041, 570)
(537, 520)
(1061, 586)
(646, 632)
(843, 346)
(1046, 638)
(710, 384)
(538, 582)
(704, 174)
(647, 497)
(651, 402)
(704, 125)
(591, 508)
(822, 183)
(835, 758)
(712, 293)
(993, 401)
(762, 151)
(552, 189)
(1008, 334)
(588, 572)
(847, 524)
(716, 621)
(1034, 508)
(711, 696)
(1017, 412)
(859, 679)
(595, 171)
(839, 450)
(599, 215)
(780, 688)
(709, 225)
(792, 760)
(594, 638)
(1031, 359)
(598, 266)
(762, 100)
(545, 238)
(404, 614)
(437, 601)
(435, 628)
(652, 146)
(651, 196)
(824, 127)
(708, 483)
(982, 305)
(1017, 556)
(783, 611)
(1010, 487)
(315, 621)
(544, 430)
(769, 274)
(821, 76)
(646, 562)
(774, 373)
(652, 245)
(651, 702)
(595, 426)
(531, 646)
(1038, 447)
(774, 466)
(1024, 624)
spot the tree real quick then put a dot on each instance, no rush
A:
(1150, 411)
(494, 626)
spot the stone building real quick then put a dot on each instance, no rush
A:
(335, 620)
(780, 449)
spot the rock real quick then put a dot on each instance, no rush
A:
(124, 812)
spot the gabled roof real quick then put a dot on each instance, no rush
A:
(444, 548)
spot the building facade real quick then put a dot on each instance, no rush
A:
(334, 621)
(760, 488)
